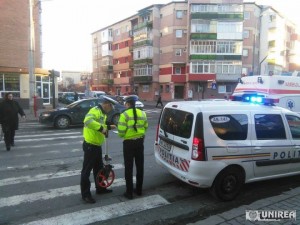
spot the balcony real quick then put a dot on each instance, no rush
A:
(217, 16)
(142, 43)
(107, 68)
(122, 80)
(227, 77)
(142, 79)
(107, 81)
(143, 61)
(142, 25)
(204, 36)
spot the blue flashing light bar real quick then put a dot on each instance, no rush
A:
(253, 98)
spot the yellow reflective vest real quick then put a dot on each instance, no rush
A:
(94, 121)
(126, 122)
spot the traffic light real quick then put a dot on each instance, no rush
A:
(53, 73)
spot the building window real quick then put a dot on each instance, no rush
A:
(178, 52)
(116, 46)
(126, 43)
(246, 34)
(143, 70)
(179, 33)
(117, 32)
(179, 14)
(223, 89)
(245, 52)
(203, 47)
(10, 83)
(143, 53)
(231, 47)
(146, 88)
(177, 70)
(247, 15)
(167, 88)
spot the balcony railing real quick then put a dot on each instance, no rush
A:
(227, 77)
(204, 36)
(107, 81)
(210, 16)
(142, 79)
(143, 61)
(107, 68)
(142, 25)
(142, 43)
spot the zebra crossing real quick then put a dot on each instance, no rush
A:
(39, 181)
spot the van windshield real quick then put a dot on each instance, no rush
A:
(177, 122)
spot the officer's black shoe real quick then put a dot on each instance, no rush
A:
(12, 144)
(137, 192)
(128, 196)
(103, 191)
(89, 199)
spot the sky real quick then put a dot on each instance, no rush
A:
(67, 26)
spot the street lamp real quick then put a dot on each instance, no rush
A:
(31, 64)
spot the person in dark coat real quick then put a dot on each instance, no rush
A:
(159, 101)
(76, 96)
(9, 110)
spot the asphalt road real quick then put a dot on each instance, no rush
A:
(39, 184)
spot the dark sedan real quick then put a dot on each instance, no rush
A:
(74, 113)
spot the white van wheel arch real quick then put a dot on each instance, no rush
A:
(228, 183)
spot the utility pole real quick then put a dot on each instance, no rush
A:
(31, 63)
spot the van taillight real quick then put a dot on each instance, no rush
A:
(197, 149)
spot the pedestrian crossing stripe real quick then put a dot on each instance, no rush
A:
(49, 194)
(88, 216)
(47, 176)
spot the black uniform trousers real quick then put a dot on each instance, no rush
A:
(133, 150)
(92, 160)
(9, 134)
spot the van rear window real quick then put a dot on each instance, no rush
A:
(230, 127)
(177, 122)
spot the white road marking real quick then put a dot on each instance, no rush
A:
(93, 215)
(50, 139)
(40, 135)
(47, 145)
(47, 176)
(49, 194)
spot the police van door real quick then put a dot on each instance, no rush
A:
(294, 129)
(271, 146)
(175, 137)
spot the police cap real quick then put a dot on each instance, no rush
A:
(131, 98)
(105, 100)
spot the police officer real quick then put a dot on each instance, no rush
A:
(132, 126)
(94, 131)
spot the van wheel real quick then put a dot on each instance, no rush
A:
(62, 122)
(228, 184)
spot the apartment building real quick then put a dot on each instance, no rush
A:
(15, 48)
(192, 49)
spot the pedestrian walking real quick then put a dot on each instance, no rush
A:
(132, 127)
(94, 132)
(159, 101)
(9, 110)
(75, 96)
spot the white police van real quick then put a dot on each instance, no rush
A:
(223, 144)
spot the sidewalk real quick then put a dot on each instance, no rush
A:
(289, 200)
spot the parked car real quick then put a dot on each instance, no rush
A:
(74, 113)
